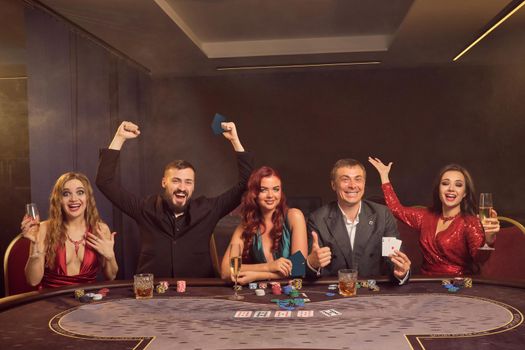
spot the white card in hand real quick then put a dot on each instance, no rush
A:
(388, 246)
(397, 244)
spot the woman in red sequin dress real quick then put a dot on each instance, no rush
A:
(450, 232)
(73, 244)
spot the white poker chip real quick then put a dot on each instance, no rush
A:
(97, 297)
(91, 295)
(332, 286)
(259, 292)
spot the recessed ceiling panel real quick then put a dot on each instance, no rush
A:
(245, 28)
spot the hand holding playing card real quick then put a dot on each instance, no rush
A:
(230, 131)
(390, 244)
(219, 125)
(401, 263)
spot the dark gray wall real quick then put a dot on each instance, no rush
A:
(78, 93)
(300, 123)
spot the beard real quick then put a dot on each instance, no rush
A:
(177, 209)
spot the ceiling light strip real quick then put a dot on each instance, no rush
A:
(12, 78)
(309, 65)
(487, 32)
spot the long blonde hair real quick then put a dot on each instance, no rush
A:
(56, 231)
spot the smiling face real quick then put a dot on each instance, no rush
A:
(178, 185)
(452, 189)
(74, 199)
(349, 185)
(269, 195)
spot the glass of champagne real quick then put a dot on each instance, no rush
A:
(485, 205)
(485, 209)
(235, 267)
(32, 210)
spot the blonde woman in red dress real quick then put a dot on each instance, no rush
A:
(73, 244)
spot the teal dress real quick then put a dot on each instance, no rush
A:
(284, 250)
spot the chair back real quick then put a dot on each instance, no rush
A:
(15, 259)
(215, 256)
(507, 261)
(410, 246)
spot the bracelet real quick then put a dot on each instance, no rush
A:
(317, 271)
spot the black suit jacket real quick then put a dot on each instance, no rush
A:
(375, 222)
(166, 250)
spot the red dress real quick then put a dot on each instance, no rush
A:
(449, 252)
(58, 276)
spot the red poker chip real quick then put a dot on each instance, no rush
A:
(103, 291)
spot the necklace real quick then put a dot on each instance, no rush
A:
(448, 218)
(77, 243)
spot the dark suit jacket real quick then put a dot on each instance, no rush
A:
(375, 222)
(166, 250)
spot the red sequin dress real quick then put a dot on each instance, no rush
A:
(449, 252)
(58, 276)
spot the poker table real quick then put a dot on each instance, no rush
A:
(420, 315)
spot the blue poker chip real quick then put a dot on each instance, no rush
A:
(330, 294)
(453, 289)
(252, 285)
(287, 289)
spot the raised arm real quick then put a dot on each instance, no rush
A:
(229, 200)
(410, 216)
(107, 180)
(382, 169)
(230, 133)
(35, 231)
(126, 131)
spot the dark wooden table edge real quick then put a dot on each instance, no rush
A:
(24, 298)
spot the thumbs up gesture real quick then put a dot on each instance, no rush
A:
(319, 257)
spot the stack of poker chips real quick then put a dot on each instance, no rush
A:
(162, 287)
(87, 297)
(260, 292)
(457, 284)
(296, 283)
(181, 286)
(252, 286)
(263, 285)
(287, 289)
(372, 285)
(294, 293)
(276, 288)
(79, 293)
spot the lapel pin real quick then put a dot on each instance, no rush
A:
(370, 222)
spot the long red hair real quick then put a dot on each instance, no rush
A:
(252, 218)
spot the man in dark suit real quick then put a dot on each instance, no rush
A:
(175, 227)
(348, 233)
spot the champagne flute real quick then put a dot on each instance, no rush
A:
(32, 210)
(485, 209)
(235, 267)
(485, 206)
